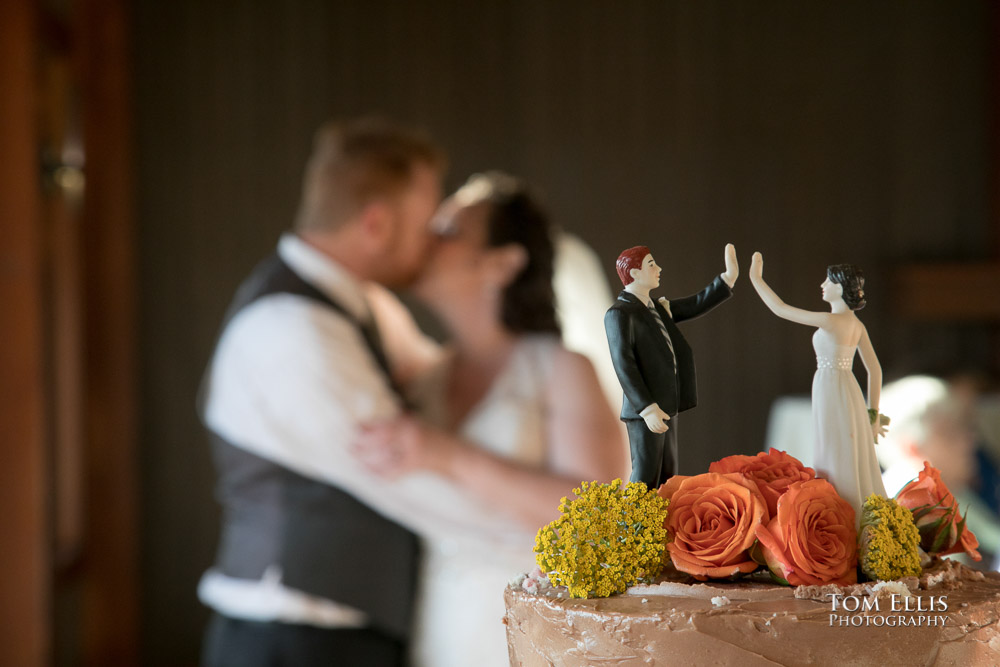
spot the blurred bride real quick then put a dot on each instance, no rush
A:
(510, 415)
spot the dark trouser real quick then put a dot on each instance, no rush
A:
(654, 455)
(234, 643)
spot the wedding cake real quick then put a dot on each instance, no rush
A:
(755, 563)
(951, 618)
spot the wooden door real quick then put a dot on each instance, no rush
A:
(68, 561)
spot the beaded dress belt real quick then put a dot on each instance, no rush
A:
(837, 364)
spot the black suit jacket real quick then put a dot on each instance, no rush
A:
(641, 357)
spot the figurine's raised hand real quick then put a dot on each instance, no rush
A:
(732, 266)
(757, 267)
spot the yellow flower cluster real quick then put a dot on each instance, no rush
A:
(607, 539)
(888, 540)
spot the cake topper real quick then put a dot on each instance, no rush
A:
(846, 430)
(654, 364)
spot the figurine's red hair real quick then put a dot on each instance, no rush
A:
(630, 259)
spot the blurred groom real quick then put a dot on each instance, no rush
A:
(309, 570)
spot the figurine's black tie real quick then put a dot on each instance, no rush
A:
(663, 330)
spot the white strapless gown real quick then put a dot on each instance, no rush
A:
(845, 447)
(460, 608)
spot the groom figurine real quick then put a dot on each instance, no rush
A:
(654, 364)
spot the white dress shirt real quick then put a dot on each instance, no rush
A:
(291, 381)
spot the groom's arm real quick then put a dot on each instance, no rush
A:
(698, 304)
(292, 382)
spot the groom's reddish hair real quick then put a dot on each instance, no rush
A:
(630, 259)
(358, 161)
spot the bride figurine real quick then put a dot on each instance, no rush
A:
(845, 433)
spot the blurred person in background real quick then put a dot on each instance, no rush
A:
(931, 422)
(317, 558)
(509, 415)
(982, 411)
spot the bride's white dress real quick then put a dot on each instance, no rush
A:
(845, 447)
(460, 608)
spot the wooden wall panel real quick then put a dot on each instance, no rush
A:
(25, 582)
(109, 602)
(68, 557)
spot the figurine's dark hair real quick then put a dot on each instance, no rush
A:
(852, 280)
(628, 260)
(515, 216)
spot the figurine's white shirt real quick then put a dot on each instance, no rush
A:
(291, 381)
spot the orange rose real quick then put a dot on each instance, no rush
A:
(812, 539)
(712, 519)
(942, 528)
(773, 471)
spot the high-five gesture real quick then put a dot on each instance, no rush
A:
(756, 267)
(732, 266)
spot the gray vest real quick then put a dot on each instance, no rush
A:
(327, 543)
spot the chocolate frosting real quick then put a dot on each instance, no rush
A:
(754, 623)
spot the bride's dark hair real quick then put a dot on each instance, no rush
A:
(515, 216)
(852, 280)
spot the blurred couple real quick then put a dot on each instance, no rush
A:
(378, 491)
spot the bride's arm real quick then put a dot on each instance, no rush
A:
(874, 369)
(585, 444)
(779, 307)
(585, 437)
(411, 353)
